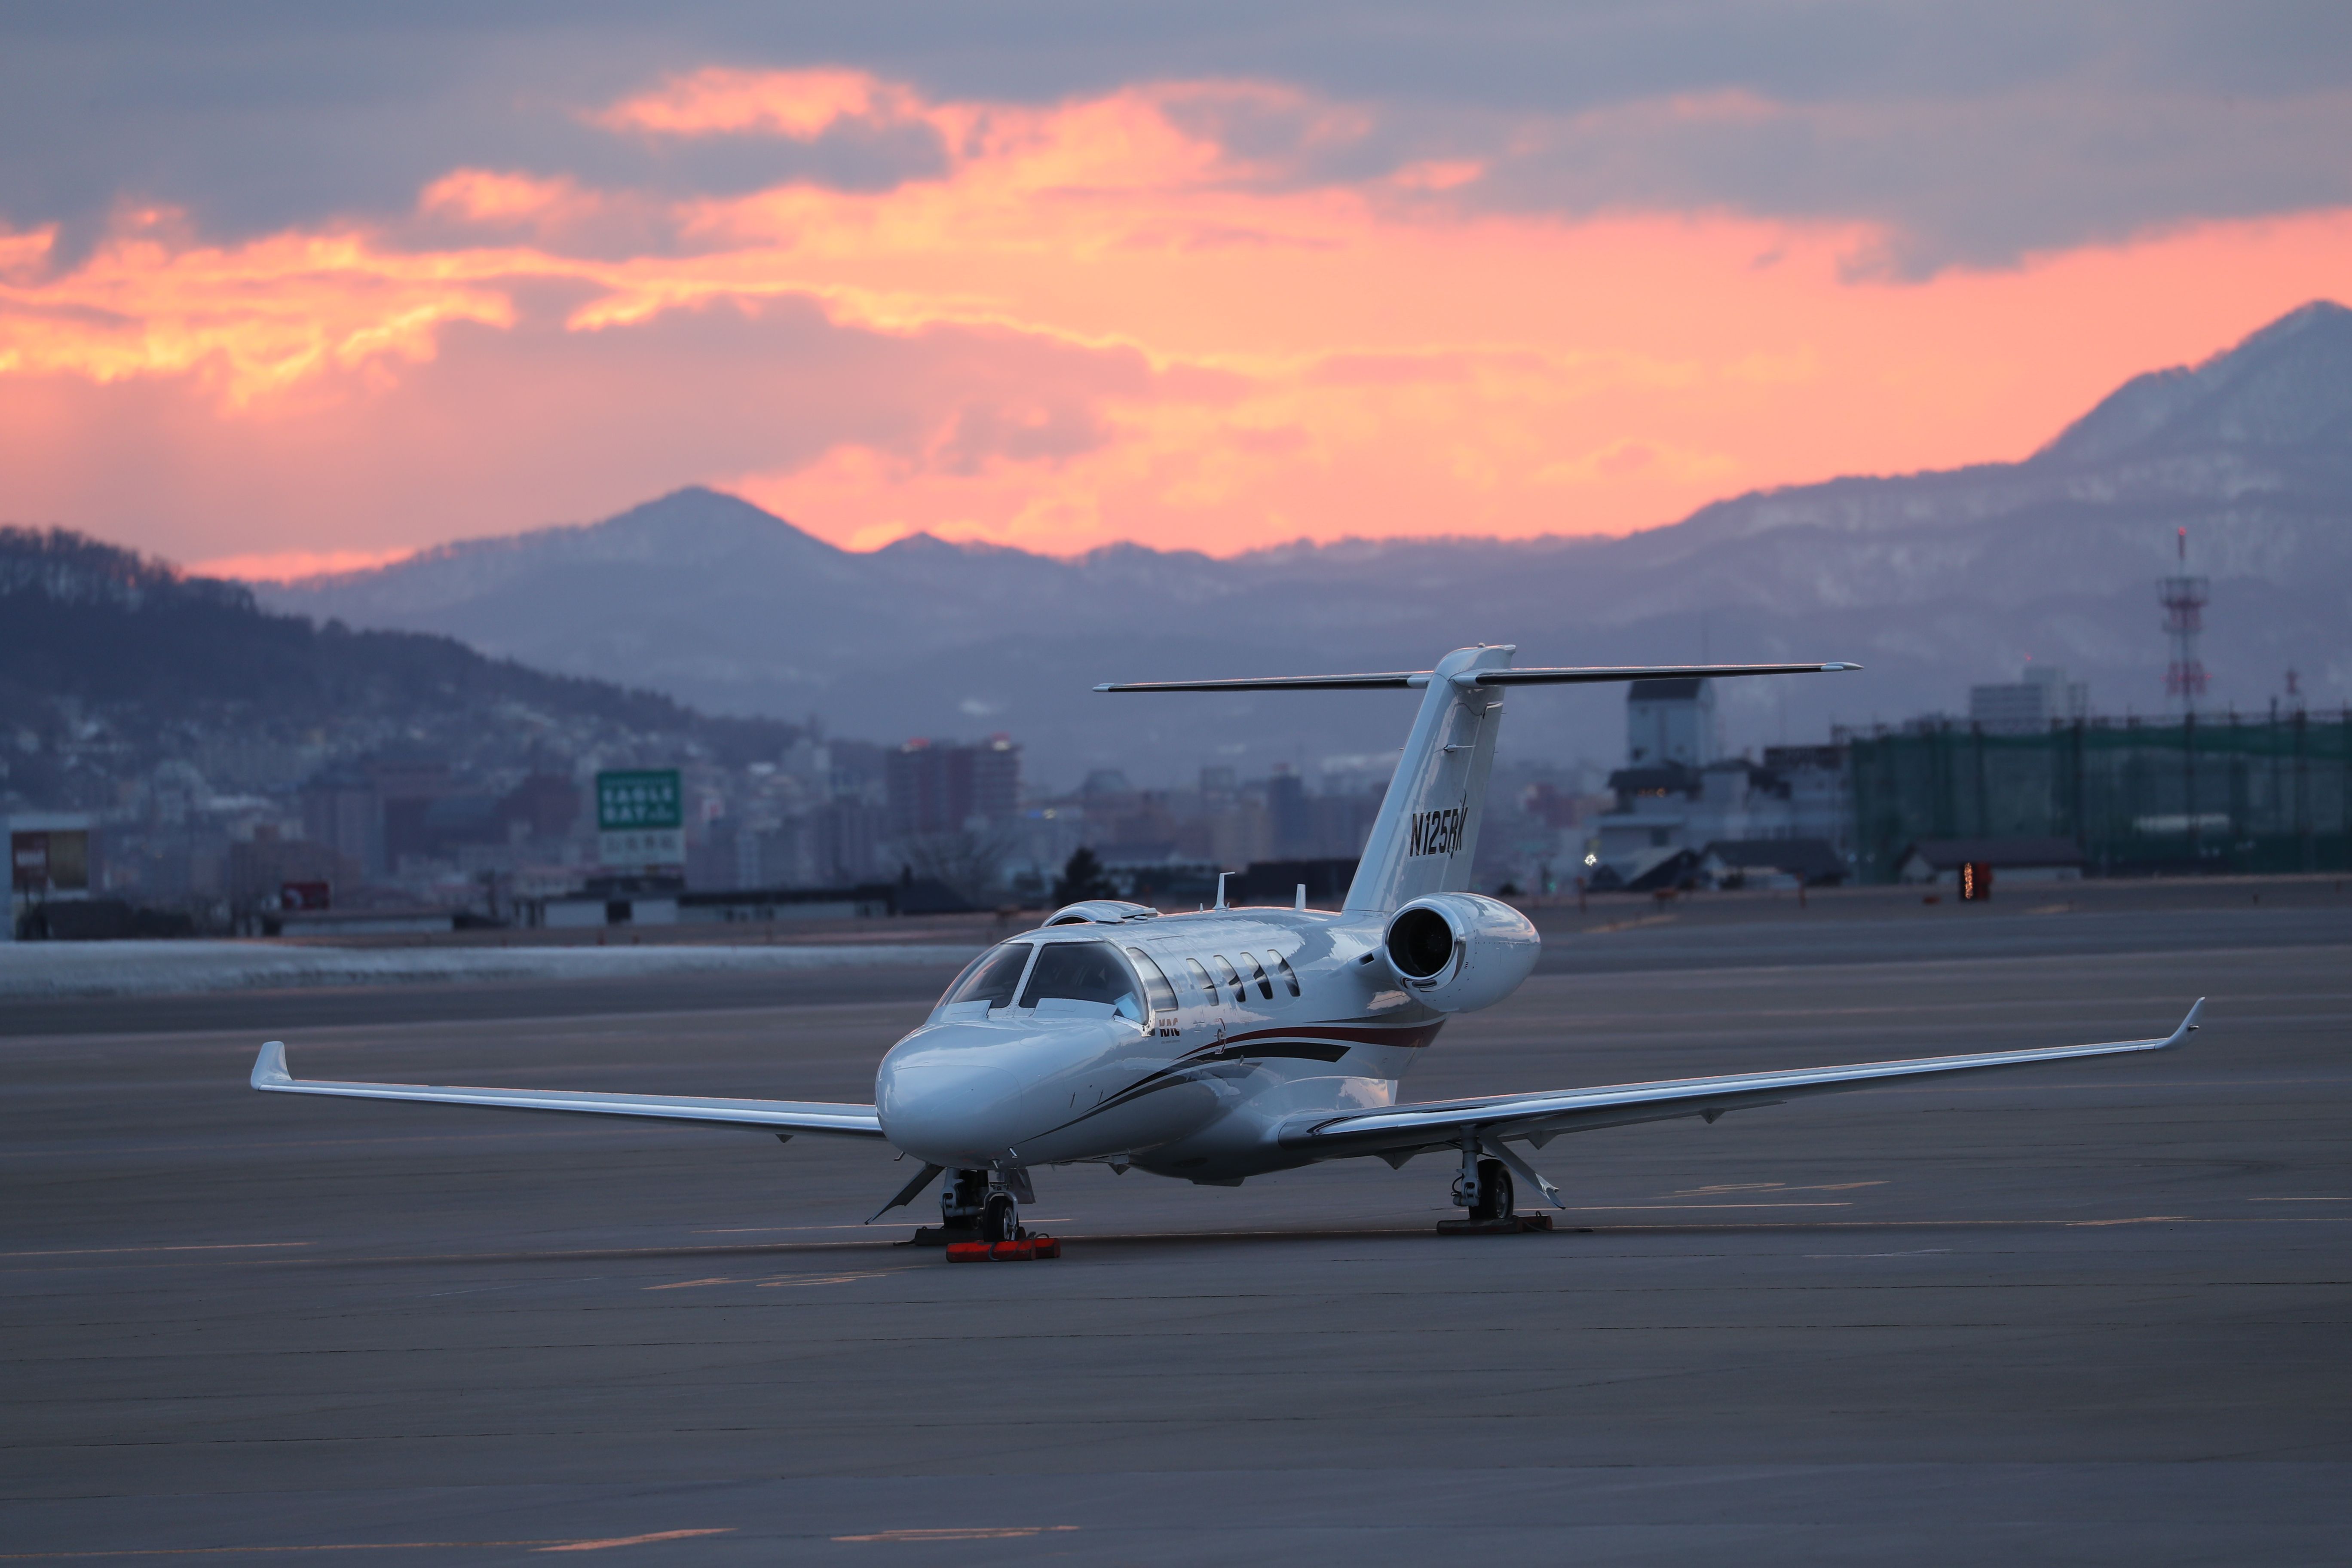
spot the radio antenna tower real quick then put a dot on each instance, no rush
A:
(2183, 598)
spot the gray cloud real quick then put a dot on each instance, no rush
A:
(1972, 182)
(1975, 131)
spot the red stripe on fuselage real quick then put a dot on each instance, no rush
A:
(1408, 1039)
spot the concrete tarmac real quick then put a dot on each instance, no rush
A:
(2096, 1313)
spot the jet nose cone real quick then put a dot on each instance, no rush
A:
(948, 1114)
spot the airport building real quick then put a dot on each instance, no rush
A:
(1670, 722)
(48, 864)
(938, 786)
(2203, 794)
(2029, 706)
(2031, 783)
(1678, 798)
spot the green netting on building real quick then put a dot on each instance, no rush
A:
(2213, 793)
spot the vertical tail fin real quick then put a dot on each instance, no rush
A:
(1427, 830)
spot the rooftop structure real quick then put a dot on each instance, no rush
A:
(2042, 698)
(1670, 721)
(938, 786)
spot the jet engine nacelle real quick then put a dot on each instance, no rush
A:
(1460, 951)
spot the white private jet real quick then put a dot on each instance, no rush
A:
(1221, 1044)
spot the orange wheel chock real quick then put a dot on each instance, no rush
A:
(1021, 1251)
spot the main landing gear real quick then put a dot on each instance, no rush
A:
(1484, 1186)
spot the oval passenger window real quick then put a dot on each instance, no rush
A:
(1257, 972)
(1201, 983)
(1232, 980)
(1289, 976)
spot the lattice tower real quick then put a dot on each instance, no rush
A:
(2183, 598)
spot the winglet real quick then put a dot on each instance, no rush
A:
(2189, 1025)
(269, 1067)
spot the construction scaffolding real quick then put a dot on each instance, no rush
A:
(2209, 793)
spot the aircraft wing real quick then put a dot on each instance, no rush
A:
(1538, 1117)
(785, 1117)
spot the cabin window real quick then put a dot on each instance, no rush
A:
(992, 977)
(1289, 976)
(1155, 982)
(1201, 980)
(1257, 973)
(1232, 980)
(1084, 971)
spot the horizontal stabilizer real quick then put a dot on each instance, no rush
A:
(1574, 677)
(1561, 675)
(1393, 680)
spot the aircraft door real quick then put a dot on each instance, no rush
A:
(1167, 1014)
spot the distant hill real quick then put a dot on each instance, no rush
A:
(2283, 391)
(111, 661)
(1934, 581)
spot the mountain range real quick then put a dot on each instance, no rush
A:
(111, 664)
(1933, 580)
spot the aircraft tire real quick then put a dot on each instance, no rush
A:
(1497, 1201)
(1000, 1220)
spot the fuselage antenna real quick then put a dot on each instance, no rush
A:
(1221, 888)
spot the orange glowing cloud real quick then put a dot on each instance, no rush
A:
(248, 321)
(480, 196)
(1113, 318)
(293, 565)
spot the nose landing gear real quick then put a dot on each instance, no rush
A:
(980, 1220)
(1000, 1212)
(962, 1201)
(1002, 1237)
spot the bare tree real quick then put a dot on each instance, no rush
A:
(969, 863)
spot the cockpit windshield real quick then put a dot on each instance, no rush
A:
(1085, 972)
(992, 977)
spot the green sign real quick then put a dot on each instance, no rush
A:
(643, 798)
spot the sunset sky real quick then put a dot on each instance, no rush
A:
(282, 291)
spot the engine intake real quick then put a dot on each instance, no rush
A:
(1460, 951)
